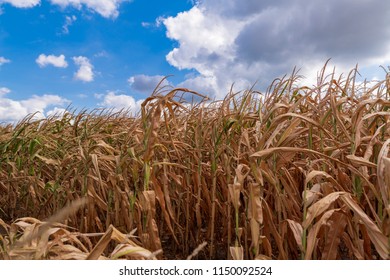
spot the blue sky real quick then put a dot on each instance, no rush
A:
(111, 53)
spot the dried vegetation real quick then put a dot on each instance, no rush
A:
(295, 173)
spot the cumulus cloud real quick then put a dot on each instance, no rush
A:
(56, 61)
(118, 102)
(200, 84)
(41, 102)
(106, 8)
(205, 44)
(85, 72)
(146, 84)
(3, 60)
(241, 42)
(22, 3)
(12, 111)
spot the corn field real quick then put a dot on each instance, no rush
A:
(296, 172)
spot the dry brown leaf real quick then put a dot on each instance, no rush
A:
(319, 207)
(351, 246)
(297, 231)
(377, 238)
(359, 161)
(382, 170)
(337, 224)
(237, 253)
(267, 152)
(313, 232)
(34, 231)
(316, 173)
(288, 131)
(131, 251)
(70, 256)
(255, 209)
(275, 132)
(312, 195)
(242, 172)
(170, 148)
(272, 227)
(95, 197)
(108, 148)
(235, 190)
(161, 199)
(147, 201)
(166, 194)
(337, 115)
(3, 228)
(155, 242)
(148, 205)
(374, 138)
(48, 160)
(386, 114)
(95, 163)
(386, 163)
(255, 234)
(101, 245)
(344, 179)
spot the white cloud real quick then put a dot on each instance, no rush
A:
(41, 102)
(102, 54)
(69, 20)
(119, 102)
(146, 84)
(4, 60)
(241, 42)
(106, 8)
(12, 111)
(157, 23)
(98, 95)
(57, 112)
(22, 3)
(85, 72)
(200, 84)
(206, 45)
(4, 91)
(146, 24)
(56, 61)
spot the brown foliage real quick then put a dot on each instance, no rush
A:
(297, 172)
